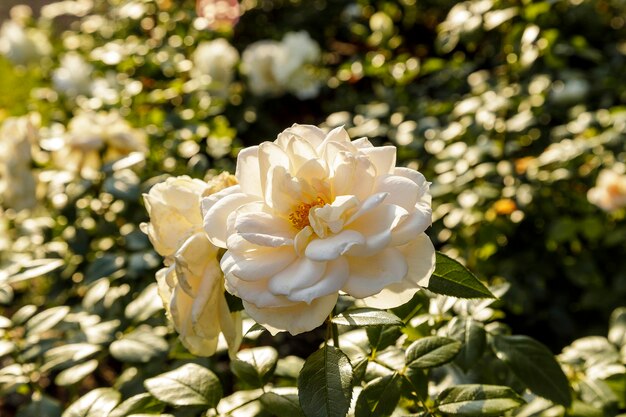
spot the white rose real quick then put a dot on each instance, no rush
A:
(23, 45)
(289, 65)
(610, 191)
(74, 75)
(315, 214)
(192, 284)
(215, 61)
(17, 182)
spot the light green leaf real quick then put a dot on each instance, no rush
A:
(281, 405)
(473, 337)
(190, 384)
(67, 355)
(139, 346)
(23, 314)
(617, 327)
(145, 305)
(6, 294)
(77, 372)
(36, 268)
(366, 317)
(453, 279)
(477, 400)
(534, 365)
(379, 397)
(96, 403)
(255, 366)
(5, 323)
(141, 403)
(431, 351)
(325, 383)
(6, 347)
(46, 320)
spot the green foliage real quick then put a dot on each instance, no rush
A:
(189, 384)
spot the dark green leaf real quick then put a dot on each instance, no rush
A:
(381, 337)
(453, 279)
(77, 372)
(96, 403)
(366, 317)
(325, 383)
(473, 337)
(255, 366)
(42, 407)
(379, 397)
(139, 346)
(141, 403)
(190, 384)
(477, 400)
(416, 380)
(534, 365)
(281, 405)
(431, 351)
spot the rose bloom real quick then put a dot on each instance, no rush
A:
(17, 182)
(610, 191)
(93, 138)
(23, 45)
(214, 63)
(74, 76)
(275, 67)
(191, 284)
(317, 214)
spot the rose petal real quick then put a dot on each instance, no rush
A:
(334, 246)
(248, 172)
(264, 229)
(401, 191)
(296, 318)
(217, 212)
(309, 133)
(377, 225)
(416, 223)
(332, 281)
(257, 264)
(302, 273)
(383, 158)
(368, 276)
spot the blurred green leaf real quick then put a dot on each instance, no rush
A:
(96, 403)
(141, 345)
(473, 337)
(46, 320)
(281, 405)
(140, 403)
(255, 366)
(144, 305)
(74, 374)
(189, 384)
(43, 407)
(534, 365)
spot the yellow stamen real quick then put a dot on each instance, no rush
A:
(299, 218)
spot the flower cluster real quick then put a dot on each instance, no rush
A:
(312, 216)
(610, 191)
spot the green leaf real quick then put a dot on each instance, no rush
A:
(431, 351)
(96, 403)
(534, 365)
(325, 383)
(473, 337)
(6, 347)
(23, 314)
(366, 317)
(381, 337)
(453, 279)
(617, 327)
(46, 320)
(141, 403)
(416, 380)
(190, 384)
(6, 294)
(77, 372)
(255, 366)
(139, 346)
(145, 305)
(36, 268)
(379, 397)
(67, 355)
(281, 405)
(43, 407)
(477, 400)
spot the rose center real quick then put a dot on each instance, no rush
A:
(299, 218)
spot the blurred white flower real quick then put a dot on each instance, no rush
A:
(214, 63)
(93, 138)
(290, 65)
(23, 45)
(315, 214)
(17, 182)
(610, 191)
(74, 76)
(192, 284)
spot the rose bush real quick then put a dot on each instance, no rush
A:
(316, 214)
